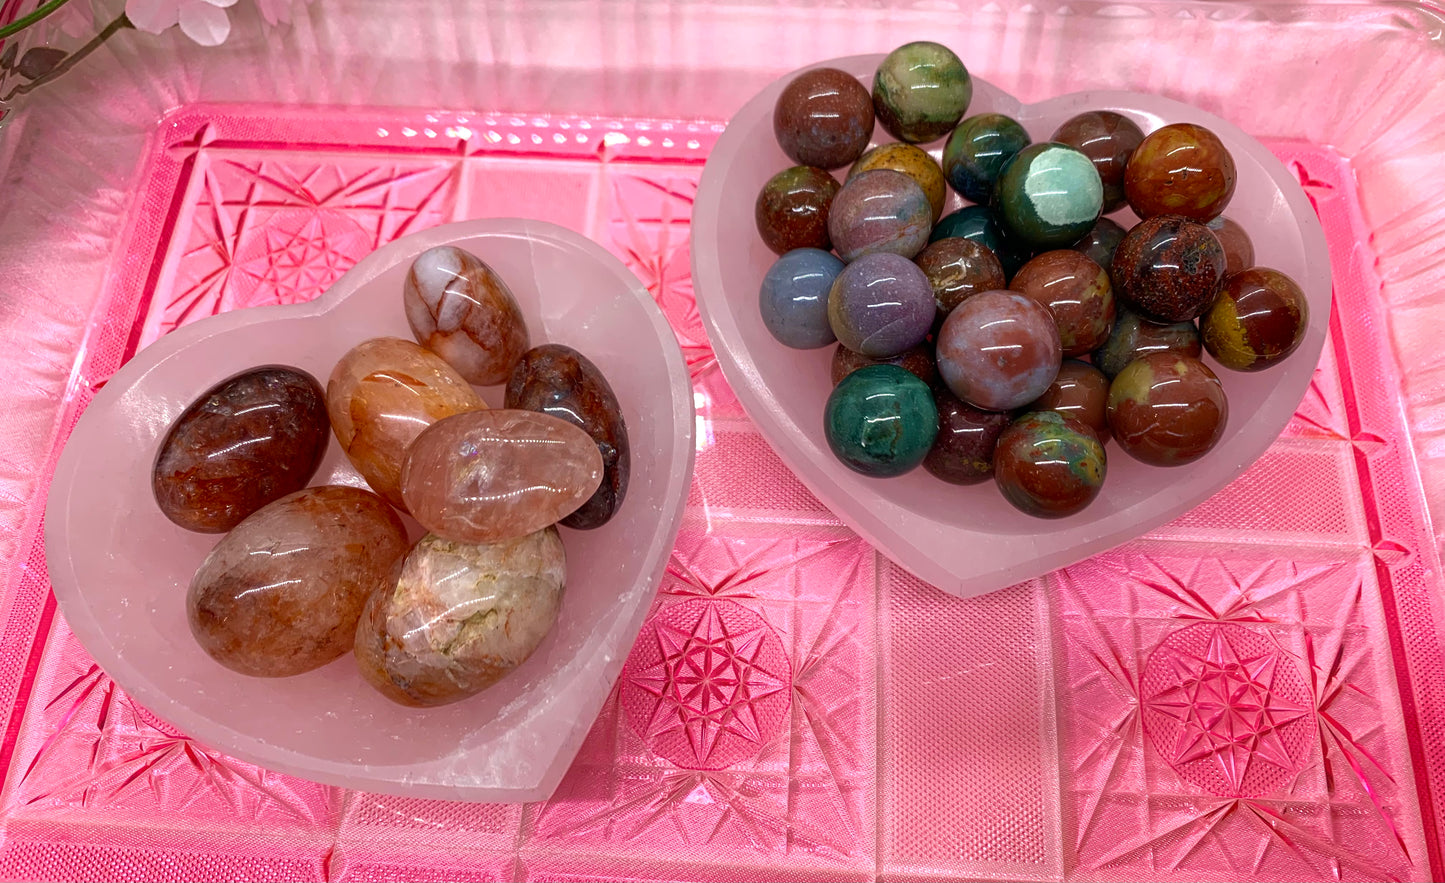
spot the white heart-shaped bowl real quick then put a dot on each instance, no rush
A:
(969, 540)
(120, 569)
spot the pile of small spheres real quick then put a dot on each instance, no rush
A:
(1014, 337)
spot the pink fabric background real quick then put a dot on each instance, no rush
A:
(1255, 691)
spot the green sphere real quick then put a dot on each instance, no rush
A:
(881, 421)
(1049, 195)
(921, 91)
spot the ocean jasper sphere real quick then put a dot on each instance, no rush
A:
(794, 298)
(880, 211)
(823, 118)
(880, 305)
(1078, 294)
(1168, 269)
(792, 209)
(1182, 169)
(911, 161)
(1049, 195)
(959, 268)
(1134, 336)
(978, 150)
(1049, 465)
(999, 350)
(1166, 409)
(921, 91)
(1081, 391)
(880, 421)
(963, 451)
(1234, 239)
(1259, 318)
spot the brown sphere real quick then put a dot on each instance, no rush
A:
(958, 268)
(824, 118)
(792, 209)
(1078, 294)
(1181, 169)
(1259, 318)
(1166, 409)
(1108, 139)
(1081, 391)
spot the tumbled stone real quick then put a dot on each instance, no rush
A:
(487, 476)
(561, 382)
(282, 593)
(246, 442)
(460, 309)
(460, 616)
(381, 395)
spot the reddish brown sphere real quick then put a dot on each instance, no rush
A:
(792, 209)
(917, 361)
(1076, 291)
(1238, 248)
(1108, 139)
(1168, 269)
(1181, 169)
(1259, 318)
(1166, 409)
(958, 268)
(962, 452)
(1081, 391)
(824, 118)
(1049, 465)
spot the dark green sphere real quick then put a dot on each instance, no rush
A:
(881, 421)
(1049, 195)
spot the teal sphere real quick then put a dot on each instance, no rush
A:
(881, 421)
(1049, 195)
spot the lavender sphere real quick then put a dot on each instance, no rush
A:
(880, 211)
(794, 297)
(999, 350)
(880, 305)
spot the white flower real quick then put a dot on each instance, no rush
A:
(204, 21)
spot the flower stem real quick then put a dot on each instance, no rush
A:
(21, 24)
(120, 22)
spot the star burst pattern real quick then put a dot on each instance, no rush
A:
(1227, 709)
(708, 684)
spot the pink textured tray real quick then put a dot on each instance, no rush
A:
(1251, 692)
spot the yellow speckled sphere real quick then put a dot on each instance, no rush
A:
(911, 161)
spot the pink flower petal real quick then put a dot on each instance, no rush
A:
(152, 16)
(204, 22)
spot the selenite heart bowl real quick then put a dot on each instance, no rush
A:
(968, 540)
(120, 569)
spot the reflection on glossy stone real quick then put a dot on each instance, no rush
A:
(244, 443)
(281, 593)
(381, 395)
(460, 616)
(486, 476)
(460, 309)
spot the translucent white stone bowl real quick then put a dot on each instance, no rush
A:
(120, 569)
(969, 540)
